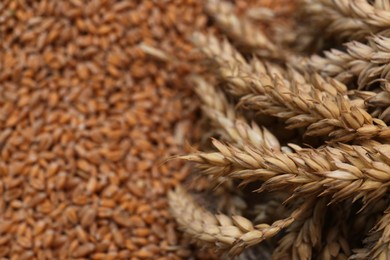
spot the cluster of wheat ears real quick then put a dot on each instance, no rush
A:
(328, 79)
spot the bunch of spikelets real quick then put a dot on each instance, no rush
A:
(323, 193)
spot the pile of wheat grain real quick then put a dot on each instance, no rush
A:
(86, 117)
(322, 192)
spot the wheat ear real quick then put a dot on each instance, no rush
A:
(322, 113)
(231, 64)
(233, 233)
(344, 171)
(320, 105)
(344, 19)
(366, 62)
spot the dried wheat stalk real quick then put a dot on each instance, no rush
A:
(336, 191)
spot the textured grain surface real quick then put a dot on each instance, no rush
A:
(86, 117)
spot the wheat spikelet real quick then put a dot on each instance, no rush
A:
(376, 101)
(218, 51)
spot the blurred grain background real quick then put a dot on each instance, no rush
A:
(86, 119)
